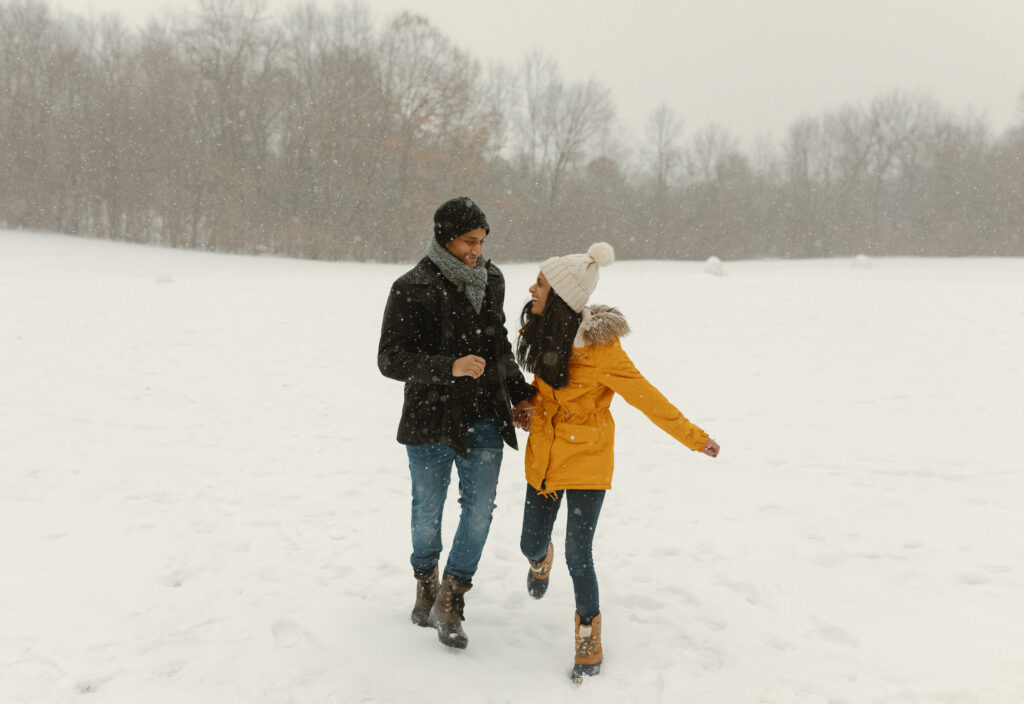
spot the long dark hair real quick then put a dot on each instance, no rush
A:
(545, 341)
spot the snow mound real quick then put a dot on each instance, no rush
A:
(714, 266)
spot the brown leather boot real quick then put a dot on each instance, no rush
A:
(588, 649)
(537, 577)
(448, 608)
(426, 592)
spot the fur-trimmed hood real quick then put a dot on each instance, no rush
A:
(603, 325)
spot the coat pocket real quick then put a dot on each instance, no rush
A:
(578, 434)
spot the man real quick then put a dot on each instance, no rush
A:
(444, 336)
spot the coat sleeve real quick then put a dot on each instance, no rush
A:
(407, 330)
(622, 377)
(518, 388)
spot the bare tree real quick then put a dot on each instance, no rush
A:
(559, 122)
(233, 53)
(708, 150)
(335, 122)
(321, 137)
(663, 155)
(42, 77)
(443, 126)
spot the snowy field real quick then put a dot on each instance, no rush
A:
(202, 500)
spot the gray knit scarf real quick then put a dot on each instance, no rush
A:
(472, 280)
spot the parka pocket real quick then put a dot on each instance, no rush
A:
(578, 434)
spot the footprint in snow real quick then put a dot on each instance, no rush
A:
(93, 684)
(778, 644)
(334, 572)
(287, 634)
(829, 560)
(681, 595)
(646, 603)
(748, 592)
(169, 669)
(176, 578)
(38, 668)
(973, 579)
(838, 636)
(714, 625)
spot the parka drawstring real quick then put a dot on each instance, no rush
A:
(547, 493)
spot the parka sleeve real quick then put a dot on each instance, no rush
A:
(405, 335)
(622, 377)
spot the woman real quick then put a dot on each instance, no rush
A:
(574, 352)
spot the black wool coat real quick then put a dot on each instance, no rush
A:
(428, 324)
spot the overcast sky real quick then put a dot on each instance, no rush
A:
(751, 66)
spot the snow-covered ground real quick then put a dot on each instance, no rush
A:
(201, 498)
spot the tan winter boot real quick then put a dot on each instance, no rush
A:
(588, 649)
(448, 608)
(537, 577)
(426, 592)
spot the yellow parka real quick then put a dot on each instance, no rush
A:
(572, 435)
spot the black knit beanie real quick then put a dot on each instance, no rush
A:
(456, 217)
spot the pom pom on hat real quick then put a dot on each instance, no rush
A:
(602, 253)
(574, 276)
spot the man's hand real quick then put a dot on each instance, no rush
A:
(470, 365)
(522, 415)
(711, 449)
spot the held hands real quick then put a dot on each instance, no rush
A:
(522, 414)
(711, 449)
(470, 365)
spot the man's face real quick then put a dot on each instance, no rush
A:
(467, 248)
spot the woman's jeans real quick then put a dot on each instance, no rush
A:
(539, 519)
(431, 470)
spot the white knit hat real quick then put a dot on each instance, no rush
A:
(574, 276)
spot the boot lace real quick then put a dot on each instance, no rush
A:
(539, 569)
(456, 605)
(585, 645)
(426, 590)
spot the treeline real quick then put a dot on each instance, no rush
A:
(321, 135)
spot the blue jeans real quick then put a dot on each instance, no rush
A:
(431, 469)
(539, 515)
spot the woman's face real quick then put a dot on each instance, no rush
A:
(539, 293)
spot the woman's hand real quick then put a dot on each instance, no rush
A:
(711, 449)
(470, 365)
(522, 415)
